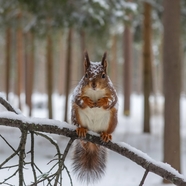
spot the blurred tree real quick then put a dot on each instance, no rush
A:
(62, 73)
(19, 56)
(8, 59)
(83, 48)
(183, 43)
(127, 68)
(48, 15)
(147, 65)
(68, 71)
(128, 40)
(49, 60)
(29, 67)
(113, 61)
(7, 18)
(172, 82)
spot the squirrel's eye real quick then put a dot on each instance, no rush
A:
(86, 75)
(103, 76)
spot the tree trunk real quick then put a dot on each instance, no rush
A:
(83, 48)
(172, 82)
(30, 52)
(127, 68)
(19, 56)
(113, 61)
(68, 71)
(49, 59)
(61, 80)
(147, 73)
(8, 57)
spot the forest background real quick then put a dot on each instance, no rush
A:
(42, 43)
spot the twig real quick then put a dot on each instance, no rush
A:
(10, 157)
(38, 168)
(32, 157)
(67, 149)
(22, 156)
(57, 149)
(7, 143)
(61, 163)
(68, 173)
(49, 139)
(7, 105)
(10, 177)
(9, 167)
(39, 181)
(144, 177)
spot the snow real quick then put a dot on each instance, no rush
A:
(95, 69)
(150, 160)
(40, 121)
(120, 170)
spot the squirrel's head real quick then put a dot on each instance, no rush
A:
(95, 73)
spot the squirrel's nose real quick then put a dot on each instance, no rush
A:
(93, 85)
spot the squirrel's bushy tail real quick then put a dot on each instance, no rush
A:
(89, 161)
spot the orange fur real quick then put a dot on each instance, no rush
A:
(113, 121)
(87, 102)
(81, 132)
(105, 137)
(103, 102)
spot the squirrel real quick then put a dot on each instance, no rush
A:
(94, 108)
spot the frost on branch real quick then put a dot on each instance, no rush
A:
(33, 127)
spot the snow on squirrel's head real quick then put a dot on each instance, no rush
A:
(95, 73)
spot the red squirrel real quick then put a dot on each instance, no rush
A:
(94, 108)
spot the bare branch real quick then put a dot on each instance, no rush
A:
(32, 157)
(61, 163)
(10, 157)
(22, 156)
(144, 177)
(7, 143)
(58, 153)
(11, 176)
(7, 105)
(139, 158)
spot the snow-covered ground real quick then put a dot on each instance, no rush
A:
(120, 171)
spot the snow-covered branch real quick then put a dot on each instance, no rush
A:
(12, 119)
(162, 169)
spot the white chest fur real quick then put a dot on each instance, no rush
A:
(95, 119)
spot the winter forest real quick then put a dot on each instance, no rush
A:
(42, 53)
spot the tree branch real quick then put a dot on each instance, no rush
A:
(7, 105)
(159, 168)
(32, 157)
(22, 156)
(144, 177)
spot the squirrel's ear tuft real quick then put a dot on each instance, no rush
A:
(87, 61)
(104, 61)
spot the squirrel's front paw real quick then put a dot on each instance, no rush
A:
(88, 102)
(103, 102)
(105, 137)
(81, 132)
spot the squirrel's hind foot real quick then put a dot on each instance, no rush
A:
(105, 137)
(81, 132)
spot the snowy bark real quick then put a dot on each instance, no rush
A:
(12, 119)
